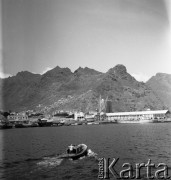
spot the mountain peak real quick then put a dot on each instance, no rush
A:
(26, 74)
(162, 75)
(120, 72)
(58, 70)
(85, 71)
(22, 73)
(118, 69)
(161, 85)
(80, 69)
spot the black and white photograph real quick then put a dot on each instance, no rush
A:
(85, 89)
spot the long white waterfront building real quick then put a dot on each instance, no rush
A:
(141, 116)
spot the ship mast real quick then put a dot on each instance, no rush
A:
(102, 105)
(100, 108)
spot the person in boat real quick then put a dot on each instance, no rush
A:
(71, 149)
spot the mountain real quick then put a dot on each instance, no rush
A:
(126, 93)
(18, 90)
(161, 85)
(60, 89)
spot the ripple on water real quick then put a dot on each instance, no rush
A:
(33, 152)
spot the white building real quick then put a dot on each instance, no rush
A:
(79, 116)
(18, 117)
(137, 116)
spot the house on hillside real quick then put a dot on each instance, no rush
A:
(79, 116)
(17, 117)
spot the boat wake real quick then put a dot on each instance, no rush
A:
(91, 153)
(50, 161)
(56, 161)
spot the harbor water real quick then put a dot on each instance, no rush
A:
(32, 153)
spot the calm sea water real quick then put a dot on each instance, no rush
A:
(32, 153)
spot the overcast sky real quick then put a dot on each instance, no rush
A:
(40, 34)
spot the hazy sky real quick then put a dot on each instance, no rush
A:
(40, 34)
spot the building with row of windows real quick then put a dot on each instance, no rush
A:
(140, 116)
(18, 117)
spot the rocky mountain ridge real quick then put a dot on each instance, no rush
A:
(60, 88)
(161, 85)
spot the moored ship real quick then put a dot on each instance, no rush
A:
(45, 122)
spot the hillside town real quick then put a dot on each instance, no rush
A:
(103, 115)
(60, 97)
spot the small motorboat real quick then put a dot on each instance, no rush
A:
(75, 152)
